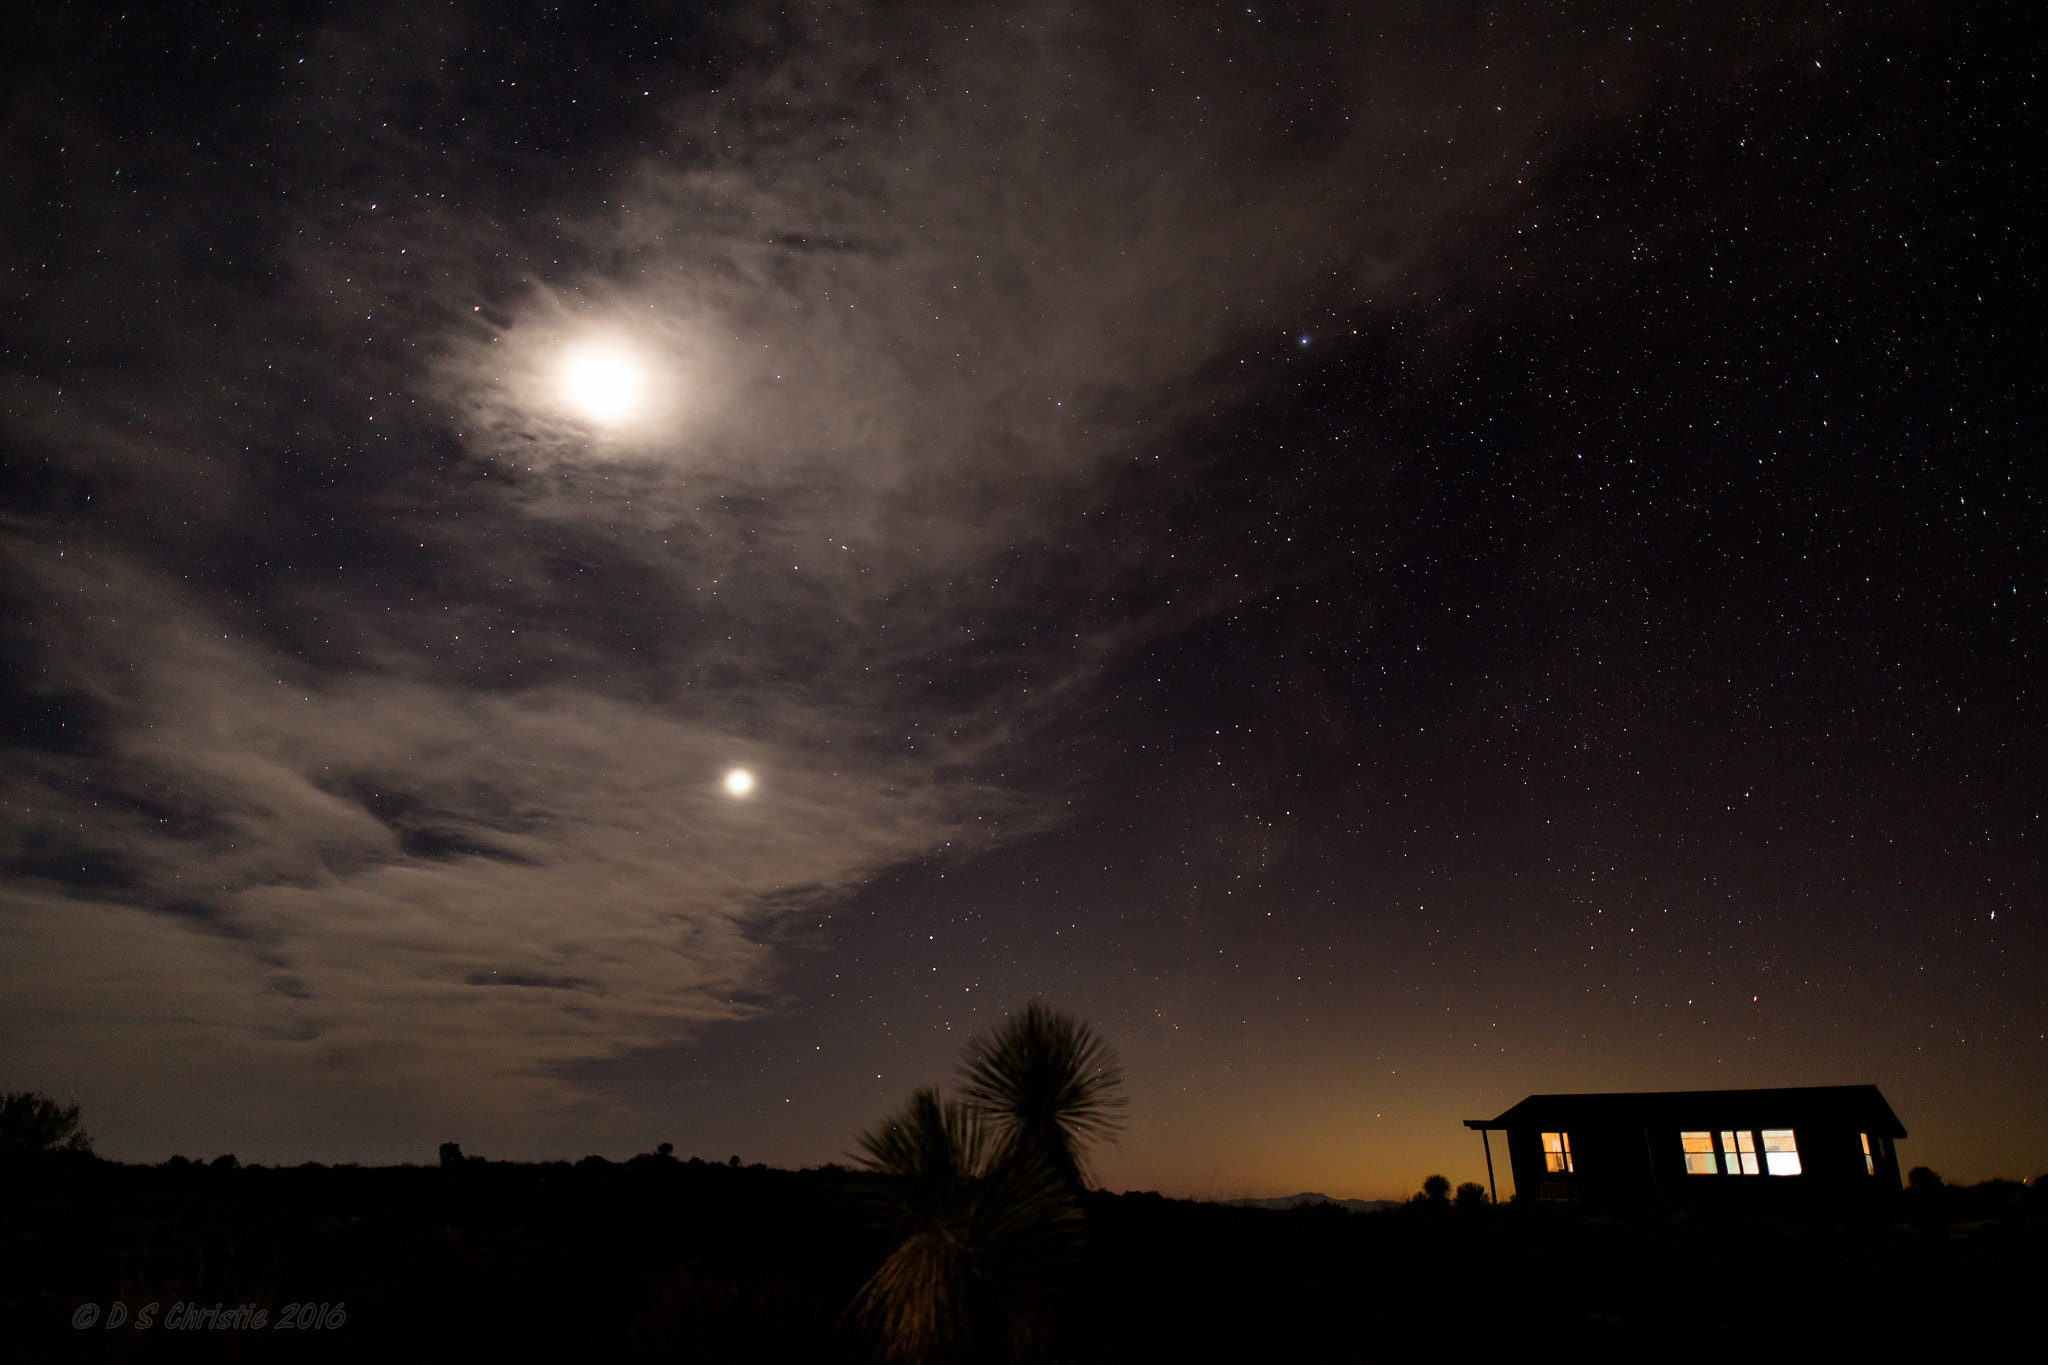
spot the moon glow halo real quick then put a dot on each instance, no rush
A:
(602, 383)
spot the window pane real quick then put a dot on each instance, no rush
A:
(1557, 1151)
(1781, 1151)
(1869, 1165)
(1738, 1152)
(1699, 1153)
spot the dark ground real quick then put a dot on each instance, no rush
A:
(656, 1259)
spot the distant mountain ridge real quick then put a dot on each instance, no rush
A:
(1295, 1201)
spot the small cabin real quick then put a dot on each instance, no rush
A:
(1826, 1145)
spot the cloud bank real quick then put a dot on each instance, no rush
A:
(377, 706)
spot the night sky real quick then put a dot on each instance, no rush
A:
(1391, 557)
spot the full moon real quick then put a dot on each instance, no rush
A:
(602, 383)
(739, 781)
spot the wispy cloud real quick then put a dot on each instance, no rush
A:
(387, 705)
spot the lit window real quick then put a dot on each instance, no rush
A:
(1738, 1153)
(1781, 1152)
(1557, 1152)
(1699, 1153)
(1869, 1161)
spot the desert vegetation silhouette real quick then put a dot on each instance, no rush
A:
(31, 1123)
(981, 1195)
(1049, 1086)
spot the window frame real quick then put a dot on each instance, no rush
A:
(1749, 1152)
(1552, 1156)
(1734, 1144)
(1712, 1159)
(1789, 1137)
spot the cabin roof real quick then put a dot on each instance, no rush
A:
(1854, 1106)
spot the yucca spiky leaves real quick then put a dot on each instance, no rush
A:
(1050, 1086)
(978, 1232)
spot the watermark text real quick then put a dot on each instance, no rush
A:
(182, 1316)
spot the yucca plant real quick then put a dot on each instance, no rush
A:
(979, 1231)
(1049, 1086)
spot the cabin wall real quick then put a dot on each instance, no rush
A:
(1607, 1164)
(1617, 1164)
(1647, 1165)
(1831, 1154)
(1888, 1166)
(1525, 1155)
